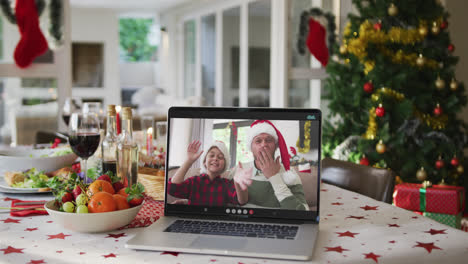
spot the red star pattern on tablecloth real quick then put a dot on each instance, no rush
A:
(428, 246)
(10, 220)
(337, 203)
(338, 249)
(367, 207)
(324, 190)
(170, 253)
(82, 253)
(111, 255)
(373, 256)
(116, 235)
(213, 260)
(356, 217)
(36, 261)
(10, 250)
(393, 225)
(415, 217)
(31, 229)
(392, 241)
(346, 234)
(436, 232)
(58, 236)
(59, 251)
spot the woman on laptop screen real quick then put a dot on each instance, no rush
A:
(209, 188)
(268, 182)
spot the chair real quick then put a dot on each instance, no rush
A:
(369, 181)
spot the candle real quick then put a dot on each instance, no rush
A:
(149, 141)
(117, 119)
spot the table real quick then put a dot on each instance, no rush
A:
(353, 229)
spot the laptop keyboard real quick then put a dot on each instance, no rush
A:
(233, 229)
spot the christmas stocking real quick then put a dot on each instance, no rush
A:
(32, 42)
(316, 42)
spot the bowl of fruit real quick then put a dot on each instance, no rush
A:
(95, 207)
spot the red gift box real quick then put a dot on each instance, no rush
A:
(440, 199)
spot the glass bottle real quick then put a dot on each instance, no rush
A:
(127, 151)
(109, 144)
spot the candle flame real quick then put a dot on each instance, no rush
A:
(149, 130)
(117, 108)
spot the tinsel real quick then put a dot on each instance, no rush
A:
(303, 29)
(371, 131)
(306, 142)
(435, 122)
(358, 43)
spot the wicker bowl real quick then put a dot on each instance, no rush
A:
(153, 180)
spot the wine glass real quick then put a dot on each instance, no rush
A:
(94, 107)
(84, 136)
(70, 105)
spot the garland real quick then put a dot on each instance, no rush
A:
(303, 29)
(435, 122)
(55, 15)
(306, 142)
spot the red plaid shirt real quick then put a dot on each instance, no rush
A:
(200, 190)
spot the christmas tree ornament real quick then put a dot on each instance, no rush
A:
(439, 164)
(375, 97)
(438, 110)
(378, 26)
(343, 49)
(421, 174)
(451, 47)
(460, 169)
(420, 61)
(368, 87)
(453, 85)
(444, 24)
(439, 83)
(422, 30)
(364, 161)
(392, 10)
(380, 111)
(380, 147)
(454, 161)
(435, 29)
(426, 184)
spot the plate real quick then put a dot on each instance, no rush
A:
(5, 188)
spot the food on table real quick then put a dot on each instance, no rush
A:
(102, 202)
(29, 179)
(12, 177)
(62, 172)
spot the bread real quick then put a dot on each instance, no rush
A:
(12, 177)
(63, 172)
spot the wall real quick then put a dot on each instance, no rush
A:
(99, 26)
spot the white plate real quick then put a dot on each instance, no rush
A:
(5, 188)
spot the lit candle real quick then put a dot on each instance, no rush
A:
(117, 118)
(149, 141)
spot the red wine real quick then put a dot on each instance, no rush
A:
(66, 119)
(84, 144)
(109, 166)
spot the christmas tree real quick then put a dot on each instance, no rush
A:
(393, 93)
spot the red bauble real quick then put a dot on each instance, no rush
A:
(451, 47)
(444, 25)
(368, 87)
(439, 164)
(364, 161)
(378, 26)
(380, 111)
(454, 161)
(437, 111)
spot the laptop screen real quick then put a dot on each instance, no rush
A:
(243, 162)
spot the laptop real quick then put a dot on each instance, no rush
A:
(279, 219)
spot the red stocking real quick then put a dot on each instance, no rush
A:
(32, 42)
(316, 42)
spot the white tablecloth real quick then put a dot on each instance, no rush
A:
(353, 229)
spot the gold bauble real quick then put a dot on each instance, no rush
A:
(422, 31)
(453, 85)
(435, 29)
(343, 49)
(375, 97)
(380, 147)
(460, 169)
(392, 10)
(421, 174)
(420, 60)
(439, 83)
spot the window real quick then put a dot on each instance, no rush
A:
(233, 134)
(138, 38)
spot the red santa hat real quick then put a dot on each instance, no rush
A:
(223, 148)
(264, 126)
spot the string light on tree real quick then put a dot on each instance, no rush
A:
(453, 85)
(439, 164)
(439, 83)
(364, 161)
(438, 110)
(392, 10)
(368, 87)
(380, 147)
(380, 111)
(421, 174)
(422, 30)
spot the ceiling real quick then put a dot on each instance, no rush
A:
(156, 5)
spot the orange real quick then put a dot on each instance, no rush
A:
(122, 192)
(102, 202)
(121, 201)
(100, 186)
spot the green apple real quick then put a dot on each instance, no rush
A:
(82, 199)
(82, 209)
(69, 207)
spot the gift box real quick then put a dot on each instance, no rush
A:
(440, 199)
(447, 219)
